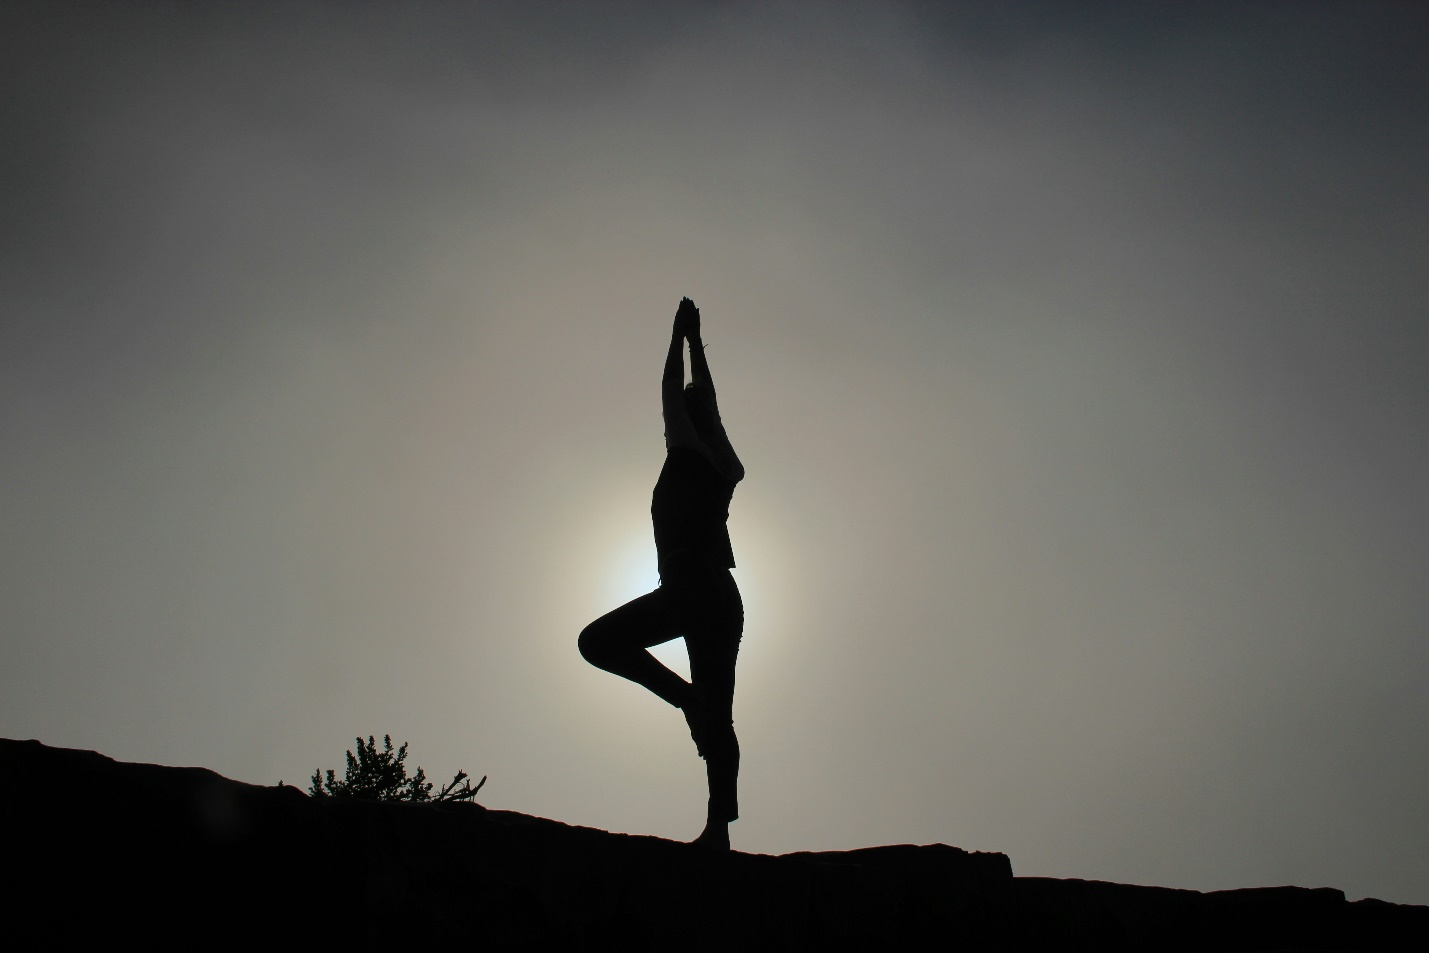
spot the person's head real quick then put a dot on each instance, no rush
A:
(700, 405)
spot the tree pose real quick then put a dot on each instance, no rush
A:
(697, 597)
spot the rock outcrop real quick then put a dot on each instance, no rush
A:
(104, 850)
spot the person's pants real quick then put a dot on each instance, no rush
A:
(701, 604)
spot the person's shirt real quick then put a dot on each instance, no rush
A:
(690, 509)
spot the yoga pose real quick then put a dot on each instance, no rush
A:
(697, 597)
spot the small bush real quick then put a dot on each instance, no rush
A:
(374, 775)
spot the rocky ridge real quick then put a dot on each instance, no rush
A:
(107, 849)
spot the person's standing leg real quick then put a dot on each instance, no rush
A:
(714, 648)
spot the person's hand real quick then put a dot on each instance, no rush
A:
(687, 319)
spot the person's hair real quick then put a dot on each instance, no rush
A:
(700, 405)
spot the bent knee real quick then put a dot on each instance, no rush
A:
(594, 649)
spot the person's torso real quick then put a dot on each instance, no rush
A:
(689, 509)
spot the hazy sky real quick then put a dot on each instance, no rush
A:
(1076, 354)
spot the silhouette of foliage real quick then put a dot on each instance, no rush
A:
(374, 775)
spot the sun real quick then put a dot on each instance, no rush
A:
(633, 571)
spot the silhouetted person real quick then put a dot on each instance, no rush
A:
(697, 597)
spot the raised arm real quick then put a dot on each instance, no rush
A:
(708, 433)
(679, 429)
(699, 367)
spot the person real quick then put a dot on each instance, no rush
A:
(697, 597)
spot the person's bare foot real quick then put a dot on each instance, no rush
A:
(715, 837)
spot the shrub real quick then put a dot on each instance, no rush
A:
(374, 775)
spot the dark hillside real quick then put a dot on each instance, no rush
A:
(104, 849)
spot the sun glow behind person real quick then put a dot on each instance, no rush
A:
(625, 565)
(632, 572)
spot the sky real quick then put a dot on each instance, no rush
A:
(1075, 354)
